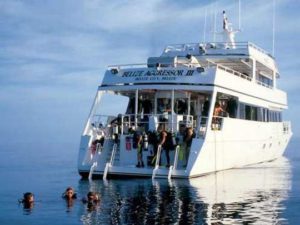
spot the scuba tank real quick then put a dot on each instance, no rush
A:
(145, 142)
(128, 143)
(174, 142)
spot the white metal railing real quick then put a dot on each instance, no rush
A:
(176, 157)
(234, 72)
(286, 127)
(113, 154)
(202, 127)
(127, 66)
(110, 163)
(156, 162)
(264, 84)
(259, 49)
(195, 46)
(143, 120)
(174, 166)
(95, 159)
(217, 123)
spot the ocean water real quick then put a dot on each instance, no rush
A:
(267, 193)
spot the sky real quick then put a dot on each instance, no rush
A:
(53, 53)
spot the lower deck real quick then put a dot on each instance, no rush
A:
(236, 144)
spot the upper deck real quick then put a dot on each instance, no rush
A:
(221, 53)
(185, 62)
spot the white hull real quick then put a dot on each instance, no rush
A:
(238, 144)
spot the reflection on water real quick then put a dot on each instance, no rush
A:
(253, 195)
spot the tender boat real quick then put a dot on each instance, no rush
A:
(196, 109)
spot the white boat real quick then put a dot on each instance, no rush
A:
(224, 94)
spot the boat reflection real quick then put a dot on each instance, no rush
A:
(252, 195)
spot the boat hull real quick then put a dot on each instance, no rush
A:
(237, 143)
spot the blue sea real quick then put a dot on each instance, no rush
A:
(267, 193)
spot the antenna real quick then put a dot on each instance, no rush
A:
(215, 25)
(239, 15)
(204, 30)
(273, 41)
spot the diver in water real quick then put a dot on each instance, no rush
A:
(28, 200)
(92, 200)
(69, 195)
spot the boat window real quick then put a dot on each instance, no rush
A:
(145, 103)
(242, 111)
(248, 112)
(163, 105)
(229, 104)
(181, 106)
(232, 104)
(256, 113)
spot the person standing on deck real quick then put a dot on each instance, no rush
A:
(163, 141)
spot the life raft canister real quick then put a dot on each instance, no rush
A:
(128, 144)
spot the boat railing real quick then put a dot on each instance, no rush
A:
(250, 44)
(202, 128)
(217, 123)
(234, 72)
(156, 167)
(215, 45)
(158, 66)
(174, 166)
(195, 46)
(107, 126)
(286, 127)
(145, 122)
(113, 154)
(264, 84)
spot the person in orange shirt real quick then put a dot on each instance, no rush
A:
(218, 109)
(217, 113)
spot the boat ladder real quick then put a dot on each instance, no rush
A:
(156, 162)
(95, 160)
(110, 163)
(174, 166)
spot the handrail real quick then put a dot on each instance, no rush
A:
(239, 45)
(234, 72)
(183, 47)
(202, 126)
(260, 49)
(174, 166)
(95, 158)
(156, 162)
(110, 163)
(264, 84)
(186, 118)
(113, 153)
(176, 157)
(158, 156)
(286, 127)
(217, 123)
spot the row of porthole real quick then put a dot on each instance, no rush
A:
(270, 145)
